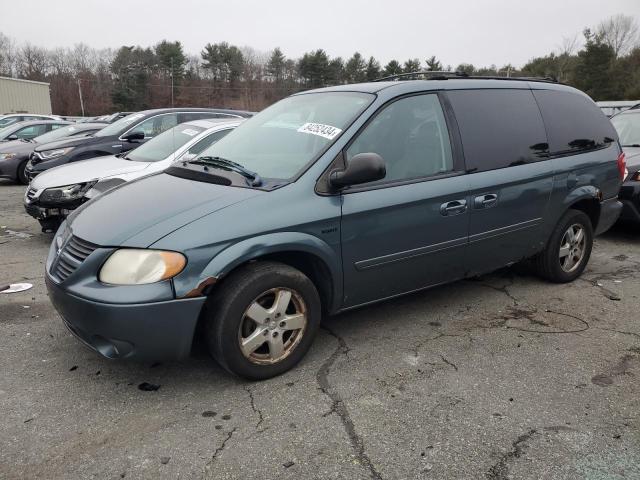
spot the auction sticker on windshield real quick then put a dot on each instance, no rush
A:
(326, 131)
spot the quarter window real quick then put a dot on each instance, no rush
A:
(499, 128)
(574, 122)
(411, 136)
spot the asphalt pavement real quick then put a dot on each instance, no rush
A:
(505, 376)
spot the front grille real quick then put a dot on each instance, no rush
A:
(70, 257)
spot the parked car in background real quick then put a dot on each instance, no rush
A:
(121, 136)
(333, 199)
(52, 195)
(10, 118)
(15, 154)
(612, 108)
(627, 125)
(29, 129)
(112, 117)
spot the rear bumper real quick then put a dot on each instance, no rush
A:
(610, 210)
(630, 198)
(148, 331)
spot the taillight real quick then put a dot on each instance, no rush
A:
(622, 166)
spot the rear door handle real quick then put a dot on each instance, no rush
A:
(454, 207)
(486, 201)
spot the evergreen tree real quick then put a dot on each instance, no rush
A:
(392, 68)
(355, 69)
(373, 70)
(412, 65)
(171, 58)
(276, 65)
(433, 65)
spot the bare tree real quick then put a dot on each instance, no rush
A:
(32, 62)
(7, 56)
(620, 32)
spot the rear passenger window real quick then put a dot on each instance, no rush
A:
(499, 128)
(411, 136)
(574, 122)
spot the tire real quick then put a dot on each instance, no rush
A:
(265, 287)
(21, 174)
(554, 268)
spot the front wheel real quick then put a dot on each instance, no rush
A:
(21, 174)
(263, 320)
(568, 249)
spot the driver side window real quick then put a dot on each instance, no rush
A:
(411, 136)
(156, 125)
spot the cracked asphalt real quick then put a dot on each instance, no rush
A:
(500, 377)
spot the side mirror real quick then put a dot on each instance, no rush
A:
(12, 137)
(134, 136)
(363, 168)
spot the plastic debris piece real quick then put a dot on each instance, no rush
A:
(17, 287)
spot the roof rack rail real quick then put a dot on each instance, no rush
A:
(437, 75)
(430, 74)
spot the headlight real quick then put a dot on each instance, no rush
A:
(58, 152)
(7, 156)
(137, 266)
(67, 193)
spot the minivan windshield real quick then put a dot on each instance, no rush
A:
(282, 139)
(628, 127)
(160, 147)
(116, 127)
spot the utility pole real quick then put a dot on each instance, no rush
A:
(80, 95)
(171, 82)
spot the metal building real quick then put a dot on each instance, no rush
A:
(24, 96)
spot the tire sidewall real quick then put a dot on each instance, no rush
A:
(570, 218)
(228, 310)
(21, 173)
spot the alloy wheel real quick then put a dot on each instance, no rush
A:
(272, 326)
(572, 248)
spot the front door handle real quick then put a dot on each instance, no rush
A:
(454, 207)
(486, 201)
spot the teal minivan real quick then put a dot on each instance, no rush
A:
(334, 199)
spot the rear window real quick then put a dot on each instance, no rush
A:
(574, 122)
(499, 128)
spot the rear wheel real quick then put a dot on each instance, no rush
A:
(263, 320)
(568, 249)
(22, 176)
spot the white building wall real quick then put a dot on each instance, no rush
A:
(24, 96)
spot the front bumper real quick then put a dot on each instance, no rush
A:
(147, 331)
(630, 197)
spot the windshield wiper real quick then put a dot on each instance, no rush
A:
(632, 145)
(224, 164)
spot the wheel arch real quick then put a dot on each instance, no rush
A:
(586, 199)
(307, 253)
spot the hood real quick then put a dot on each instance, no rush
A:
(632, 156)
(138, 213)
(70, 142)
(17, 146)
(85, 171)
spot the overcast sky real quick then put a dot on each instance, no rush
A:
(482, 32)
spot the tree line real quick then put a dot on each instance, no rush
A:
(605, 63)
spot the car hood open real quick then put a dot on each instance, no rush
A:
(85, 171)
(139, 213)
